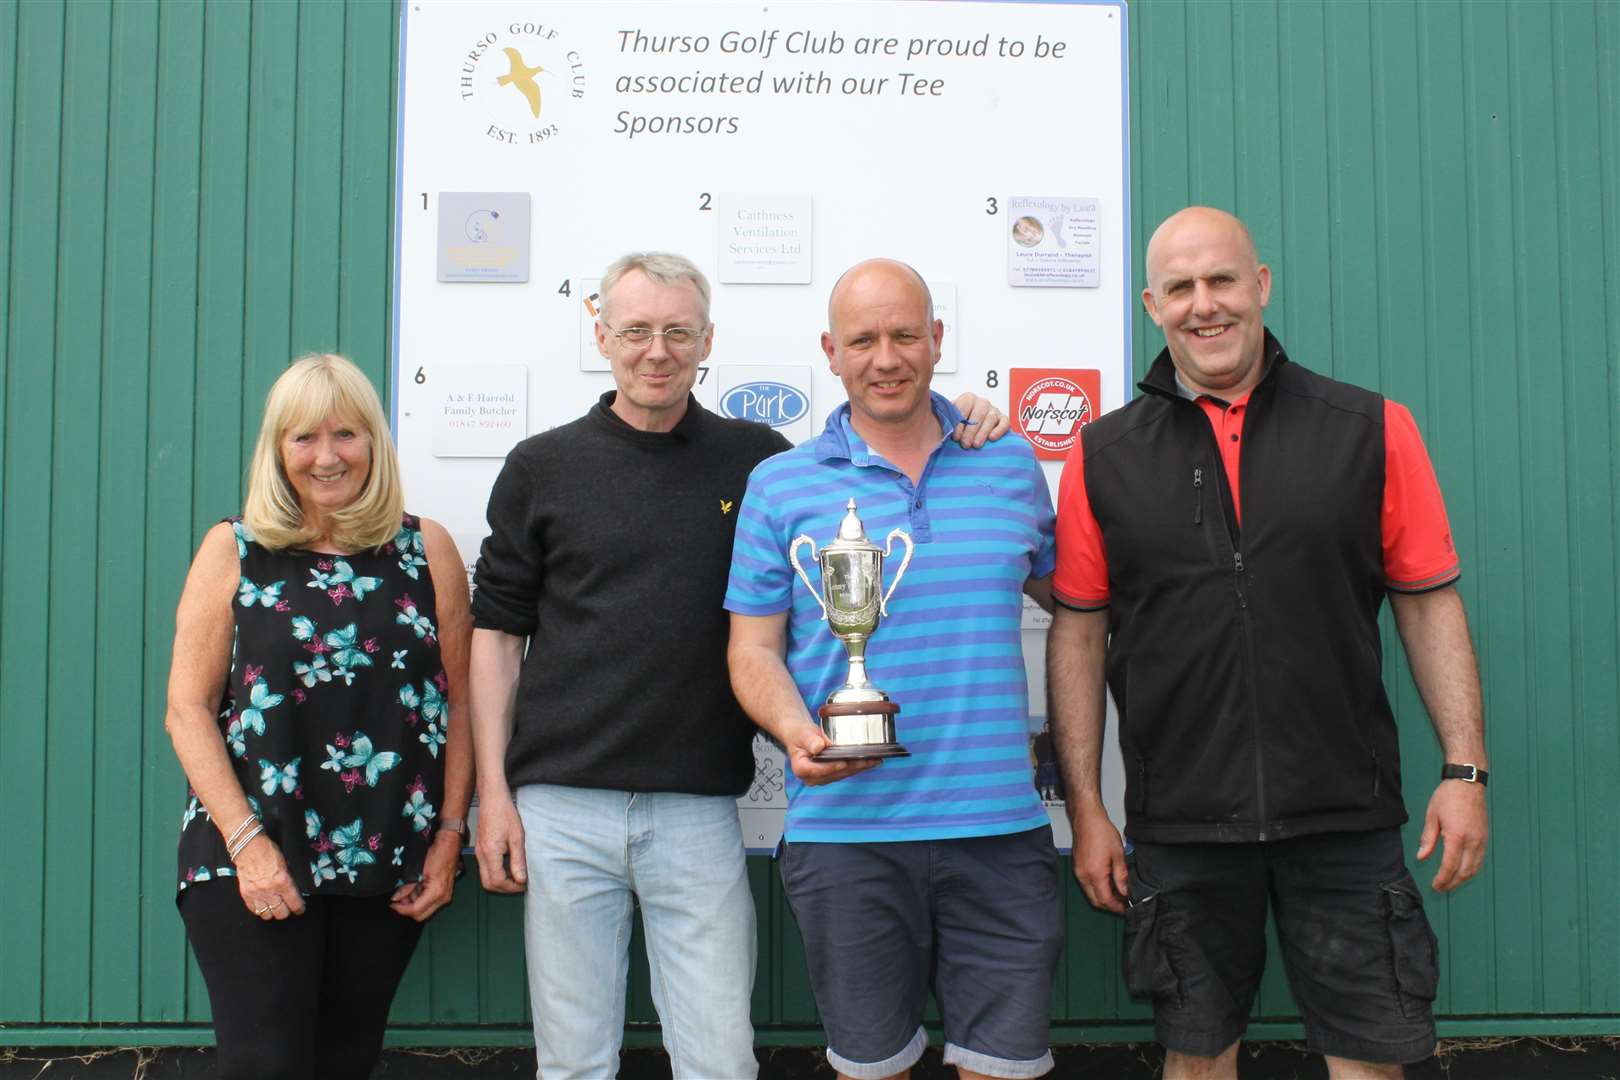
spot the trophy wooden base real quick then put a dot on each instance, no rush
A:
(875, 719)
(856, 753)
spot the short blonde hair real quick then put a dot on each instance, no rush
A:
(313, 388)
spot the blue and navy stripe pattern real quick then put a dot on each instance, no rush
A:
(950, 650)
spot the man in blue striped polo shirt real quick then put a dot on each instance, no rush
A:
(939, 867)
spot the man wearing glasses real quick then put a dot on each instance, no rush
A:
(611, 751)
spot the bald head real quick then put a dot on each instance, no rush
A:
(863, 274)
(1198, 226)
(1208, 291)
(882, 341)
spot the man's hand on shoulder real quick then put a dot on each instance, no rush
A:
(502, 865)
(1099, 858)
(1458, 821)
(985, 423)
(804, 743)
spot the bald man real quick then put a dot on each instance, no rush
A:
(1237, 627)
(936, 868)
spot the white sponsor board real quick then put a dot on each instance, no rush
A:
(827, 132)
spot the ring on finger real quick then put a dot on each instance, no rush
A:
(260, 910)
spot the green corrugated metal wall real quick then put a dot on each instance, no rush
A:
(191, 193)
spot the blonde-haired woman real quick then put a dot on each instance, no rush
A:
(320, 653)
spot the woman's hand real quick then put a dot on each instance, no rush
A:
(261, 876)
(420, 899)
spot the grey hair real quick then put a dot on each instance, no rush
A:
(662, 268)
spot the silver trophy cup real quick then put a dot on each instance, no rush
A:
(858, 718)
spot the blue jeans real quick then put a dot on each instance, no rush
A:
(682, 857)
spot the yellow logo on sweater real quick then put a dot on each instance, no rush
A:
(725, 506)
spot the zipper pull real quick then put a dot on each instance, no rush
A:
(1198, 507)
(1237, 562)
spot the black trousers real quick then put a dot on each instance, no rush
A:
(303, 997)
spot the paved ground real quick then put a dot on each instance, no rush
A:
(1482, 1059)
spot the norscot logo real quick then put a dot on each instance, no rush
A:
(1051, 405)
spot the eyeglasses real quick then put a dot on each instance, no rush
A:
(678, 338)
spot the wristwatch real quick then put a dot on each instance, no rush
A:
(1471, 773)
(459, 826)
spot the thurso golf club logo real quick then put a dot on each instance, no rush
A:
(522, 81)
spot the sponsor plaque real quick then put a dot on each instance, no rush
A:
(776, 395)
(590, 300)
(944, 294)
(484, 236)
(480, 411)
(1051, 405)
(1054, 242)
(764, 239)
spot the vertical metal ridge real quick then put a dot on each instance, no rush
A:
(390, 327)
(75, 438)
(249, 114)
(1499, 446)
(24, 533)
(317, 177)
(170, 475)
(1540, 331)
(10, 41)
(341, 233)
(223, 168)
(366, 192)
(1380, 66)
(1588, 452)
(1568, 543)
(1608, 82)
(1332, 152)
(121, 550)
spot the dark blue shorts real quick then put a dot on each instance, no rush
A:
(979, 920)
(1361, 958)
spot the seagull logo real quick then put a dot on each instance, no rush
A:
(521, 78)
(725, 506)
(520, 86)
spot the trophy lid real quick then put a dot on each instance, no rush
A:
(851, 533)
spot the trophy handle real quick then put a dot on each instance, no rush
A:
(888, 547)
(793, 557)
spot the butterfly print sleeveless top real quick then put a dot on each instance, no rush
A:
(334, 716)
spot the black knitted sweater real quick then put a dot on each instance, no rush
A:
(609, 549)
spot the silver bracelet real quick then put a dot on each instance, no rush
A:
(231, 840)
(241, 844)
